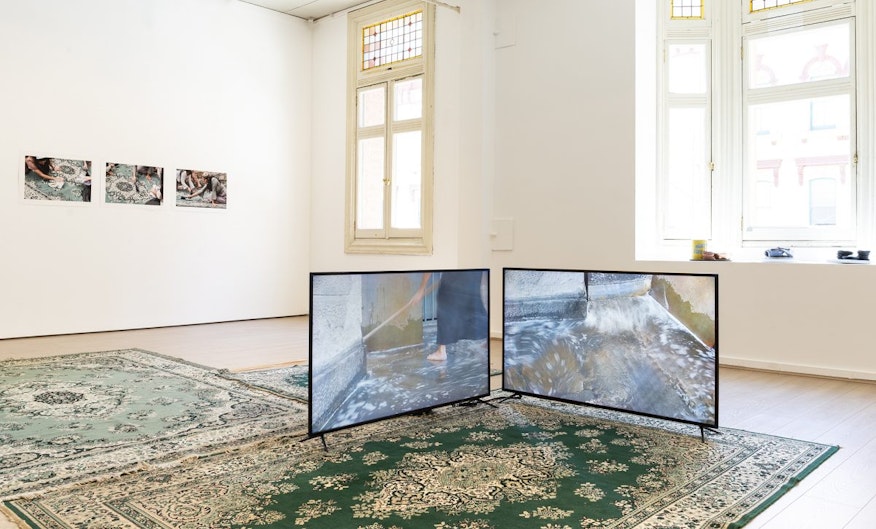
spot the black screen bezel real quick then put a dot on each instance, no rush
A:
(403, 411)
(505, 386)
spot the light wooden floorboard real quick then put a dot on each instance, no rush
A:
(235, 345)
(841, 494)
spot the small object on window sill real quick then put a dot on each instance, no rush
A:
(699, 248)
(848, 256)
(778, 252)
(714, 256)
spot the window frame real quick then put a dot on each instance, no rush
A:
(388, 240)
(811, 235)
(724, 25)
(685, 101)
(676, 31)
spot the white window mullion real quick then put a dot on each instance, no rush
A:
(727, 126)
(865, 116)
(387, 163)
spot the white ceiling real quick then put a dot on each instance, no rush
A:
(307, 9)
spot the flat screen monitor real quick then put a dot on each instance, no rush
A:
(384, 344)
(635, 342)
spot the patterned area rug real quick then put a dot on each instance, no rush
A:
(524, 463)
(291, 382)
(77, 417)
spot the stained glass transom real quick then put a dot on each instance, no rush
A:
(760, 5)
(688, 9)
(393, 40)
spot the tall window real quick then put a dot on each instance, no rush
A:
(686, 121)
(390, 129)
(757, 125)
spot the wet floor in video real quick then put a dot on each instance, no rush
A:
(629, 353)
(403, 380)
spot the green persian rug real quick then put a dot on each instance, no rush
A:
(76, 417)
(522, 464)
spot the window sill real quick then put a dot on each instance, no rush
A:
(413, 246)
(753, 255)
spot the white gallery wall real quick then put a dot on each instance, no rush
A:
(199, 84)
(565, 132)
(565, 136)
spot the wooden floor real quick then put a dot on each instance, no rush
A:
(840, 494)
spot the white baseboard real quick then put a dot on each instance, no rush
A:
(798, 369)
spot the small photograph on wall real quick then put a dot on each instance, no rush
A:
(201, 189)
(134, 184)
(57, 179)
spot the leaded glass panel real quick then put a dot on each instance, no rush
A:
(392, 40)
(761, 5)
(682, 9)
